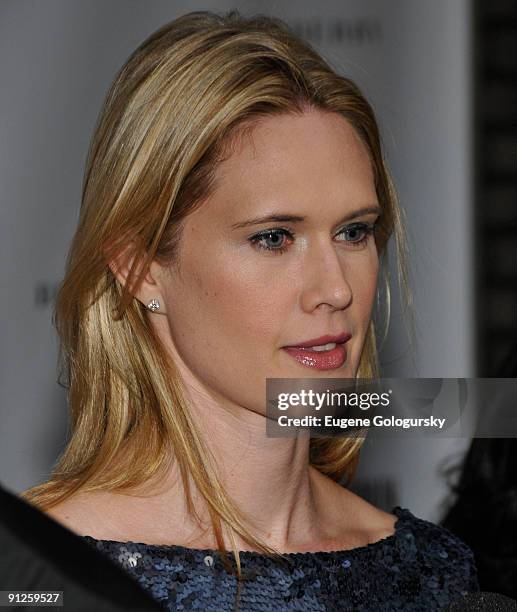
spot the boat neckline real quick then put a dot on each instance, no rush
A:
(400, 513)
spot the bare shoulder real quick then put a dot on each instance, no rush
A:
(357, 516)
(110, 515)
(374, 521)
(81, 513)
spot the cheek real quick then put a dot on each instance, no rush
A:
(229, 299)
(363, 280)
(252, 303)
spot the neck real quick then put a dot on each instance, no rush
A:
(269, 479)
(283, 500)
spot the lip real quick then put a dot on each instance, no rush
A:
(340, 339)
(320, 360)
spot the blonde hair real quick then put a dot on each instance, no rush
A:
(172, 113)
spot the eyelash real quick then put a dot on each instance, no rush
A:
(368, 230)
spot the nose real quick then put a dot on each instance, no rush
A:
(325, 284)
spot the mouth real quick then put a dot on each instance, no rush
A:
(324, 353)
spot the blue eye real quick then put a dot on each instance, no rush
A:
(272, 240)
(278, 240)
(358, 233)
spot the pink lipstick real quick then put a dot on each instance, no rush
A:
(319, 353)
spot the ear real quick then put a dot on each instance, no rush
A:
(149, 291)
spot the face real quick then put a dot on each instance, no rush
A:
(282, 254)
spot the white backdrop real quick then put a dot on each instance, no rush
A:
(58, 57)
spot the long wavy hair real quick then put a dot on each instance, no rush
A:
(173, 112)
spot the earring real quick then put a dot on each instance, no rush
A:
(153, 305)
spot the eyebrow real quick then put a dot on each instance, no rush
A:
(286, 218)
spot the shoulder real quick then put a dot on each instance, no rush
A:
(80, 513)
(355, 521)
(363, 516)
(445, 556)
(108, 515)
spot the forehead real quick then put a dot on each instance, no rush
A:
(298, 163)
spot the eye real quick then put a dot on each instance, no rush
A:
(273, 240)
(278, 240)
(358, 233)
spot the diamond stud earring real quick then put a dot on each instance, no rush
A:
(153, 305)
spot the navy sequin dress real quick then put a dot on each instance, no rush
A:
(421, 566)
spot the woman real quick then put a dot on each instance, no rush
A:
(236, 205)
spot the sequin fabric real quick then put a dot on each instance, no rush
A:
(421, 566)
